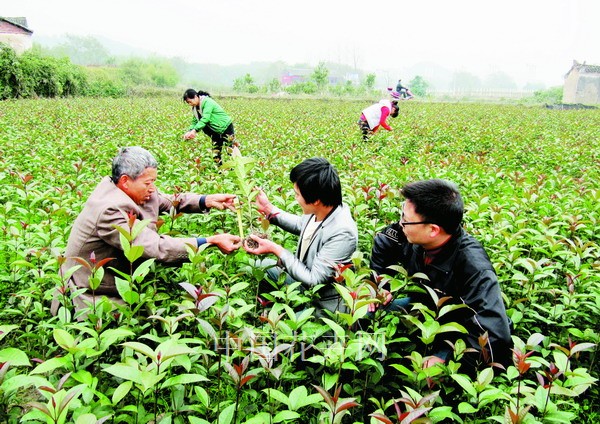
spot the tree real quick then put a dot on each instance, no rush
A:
(85, 50)
(419, 86)
(274, 86)
(245, 84)
(369, 82)
(464, 81)
(152, 72)
(551, 95)
(308, 87)
(500, 81)
(319, 76)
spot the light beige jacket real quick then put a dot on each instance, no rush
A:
(93, 231)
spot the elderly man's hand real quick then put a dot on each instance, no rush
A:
(220, 201)
(226, 243)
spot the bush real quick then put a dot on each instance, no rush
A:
(552, 95)
(10, 73)
(104, 82)
(307, 87)
(40, 76)
(157, 72)
(36, 75)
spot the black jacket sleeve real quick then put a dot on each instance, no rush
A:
(388, 249)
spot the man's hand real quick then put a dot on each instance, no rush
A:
(262, 203)
(190, 135)
(384, 296)
(226, 243)
(430, 361)
(264, 246)
(220, 201)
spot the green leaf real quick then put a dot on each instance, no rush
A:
(183, 379)
(449, 308)
(465, 383)
(280, 397)
(581, 346)
(345, 293)
(485, 377)
(195, 420)
(286, 415)
(64, 339)
(134, 253)
(466, 408)
(534, 340)
(124, 236)
(6, 328)
(151, 379)
(113, 335)
(124, 289)
(452, 326)
(142, 270)
(337, 329)
(297, 396)
(202, 396)
(86, 419)
(121, 391)
(54, 363)
(16, 357)
(226, 415)
(138, 227)
(20, 381)
(238, 287)
(329, 380)
(141, 348)
(260, 418)
(125, 372)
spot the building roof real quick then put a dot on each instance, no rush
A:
(584, 68)
(21, 22)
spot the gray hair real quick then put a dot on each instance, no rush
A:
(132, 161)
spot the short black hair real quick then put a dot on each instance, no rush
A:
(317, 179)
(437, 201)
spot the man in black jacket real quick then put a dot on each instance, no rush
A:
(429, 239)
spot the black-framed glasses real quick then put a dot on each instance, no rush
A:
(403, 222)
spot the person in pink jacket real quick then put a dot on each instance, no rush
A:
(375, 116)
(128, 196)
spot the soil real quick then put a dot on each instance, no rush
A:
(251, 243)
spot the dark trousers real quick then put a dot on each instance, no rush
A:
(227, 137)
(365, 129)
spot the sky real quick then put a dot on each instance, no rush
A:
(530, 40)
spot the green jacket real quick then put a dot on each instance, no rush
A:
(211, 115)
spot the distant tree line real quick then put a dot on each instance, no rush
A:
(82, 66)
(36, 73)
(318, 83)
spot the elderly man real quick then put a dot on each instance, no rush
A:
(429, 239)
(130, 193)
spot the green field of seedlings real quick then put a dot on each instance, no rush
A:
(528, 175)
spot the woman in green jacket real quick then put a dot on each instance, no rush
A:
(211, 119)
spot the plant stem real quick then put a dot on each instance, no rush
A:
(239, 220)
